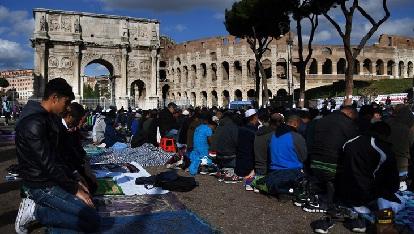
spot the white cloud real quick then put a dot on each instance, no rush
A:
(12, 55)
(218, 16)
(15, 23)
(180, 27)
(164, 5)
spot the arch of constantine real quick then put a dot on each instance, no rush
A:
(214, 71)
(66, 42)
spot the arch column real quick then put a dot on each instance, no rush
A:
(78, 80)
(209, 99)
(274, 74)
(335, 68)
(231, 74)
(41, 63)
(244, 73)
(320, 66)
(219, 98)
(121, 82)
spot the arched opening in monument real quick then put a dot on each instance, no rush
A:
(214, 98)
(203, 95)
(327, 67)
(341, 66)
(357, 67)
(390, 67)
(179, 75)
(251, 94)
(178, 97)
(203, 70)
(238, 95)
(99, 83)
(162, 71)
(251, 65)
(173, 97)
(401, 69)
(267, 66)
(410, 71)
(193, 99)
(139, 93)
(214, 72)
(225, 70)
(172, 74)
(379, 67)
(281, 68)
(313, 68)
(213, 56)
(193, 76)
(165, 92)
(237, 72)
(178, 61)
(185, 74)
(226, 98)
(282, 93)
(367, 67)
(185, 98)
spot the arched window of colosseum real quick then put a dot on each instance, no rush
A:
(237, 40)
(237, 72)
(251, 64)
(193, 72)
(179, 96)
(401, 69)
(193, 99)
(185, 73)
(165, 91)
(214, 98)
(225, 41)
(281, 68)
(367, 66)
(226, 97)
(326, 51)
(213, 56)
(379, 67)
(390, 67)
(357, 68)
(267, 66)
(214, 73)
(203, 96)
(410, 71)
(178, 61)
(251, 94)
(225, 70)
(341, 66)
(327, 67)
(203, 70)
(179, 75)
(238, 95)
(313, 68)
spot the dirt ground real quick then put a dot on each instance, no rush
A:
(226, 206)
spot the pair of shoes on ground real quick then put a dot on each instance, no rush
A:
(227, 177)
(208, 169)
(25, 215)
(309, 203)
(357, 225)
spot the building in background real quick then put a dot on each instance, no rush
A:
(21, 81)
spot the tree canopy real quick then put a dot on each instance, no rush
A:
(4, 83)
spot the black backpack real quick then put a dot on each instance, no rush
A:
(169, 180)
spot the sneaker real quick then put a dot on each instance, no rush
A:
(301, 199)
(212, 169)
(232, 179)
(314, 205)
(248, 184)
(256, 190)
(25, 215)
(356, 225)
(322, 225)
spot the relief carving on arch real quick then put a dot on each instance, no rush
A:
(66, 62)
(66, 24)
(53, 62)
(54, 23)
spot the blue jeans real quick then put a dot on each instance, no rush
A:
(63, 212)
(281, 181)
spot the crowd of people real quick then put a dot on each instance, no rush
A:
(324, 160)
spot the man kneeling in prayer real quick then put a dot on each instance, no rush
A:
(54, 198)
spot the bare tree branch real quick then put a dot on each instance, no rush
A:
(366, 15)
(336, 25)
(314, 24)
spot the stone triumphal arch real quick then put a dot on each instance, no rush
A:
(65, 42)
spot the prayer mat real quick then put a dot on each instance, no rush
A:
(406, 216)
(121, 205)
(182, 221)
(115, 167)
(107, 186)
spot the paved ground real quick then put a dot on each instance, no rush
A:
(226, 206)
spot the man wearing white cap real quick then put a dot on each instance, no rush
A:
(245, 146)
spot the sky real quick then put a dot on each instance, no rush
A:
(182, 20)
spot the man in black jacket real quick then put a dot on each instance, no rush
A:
(55, 198)
(166, 121)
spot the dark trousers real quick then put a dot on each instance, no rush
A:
(281, 181)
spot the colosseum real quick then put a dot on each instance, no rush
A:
(215, 71)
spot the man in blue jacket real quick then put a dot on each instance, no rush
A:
(287, 151)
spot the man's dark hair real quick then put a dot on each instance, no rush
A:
(173, 105)
(76, 110)
(380, 130)
(58, 87)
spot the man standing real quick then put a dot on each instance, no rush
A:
(55, 199)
